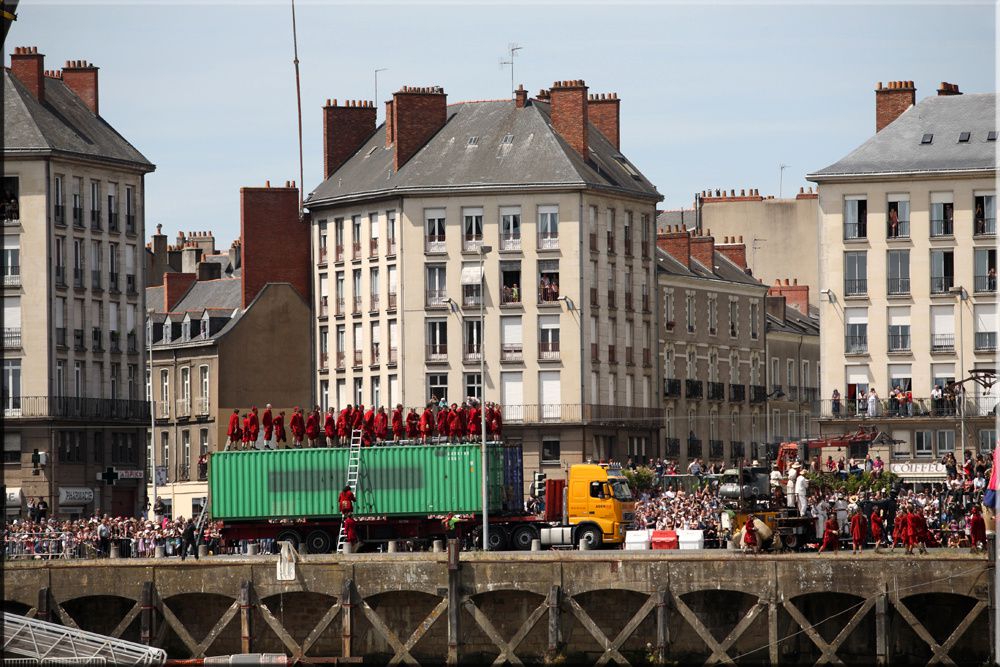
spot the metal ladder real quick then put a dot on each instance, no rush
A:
(199, 527)
(353, 468)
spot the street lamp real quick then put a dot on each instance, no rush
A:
(152, 403)
(483, 250)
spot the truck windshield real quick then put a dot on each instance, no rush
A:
(619, 487)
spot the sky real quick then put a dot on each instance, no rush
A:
(713, 95)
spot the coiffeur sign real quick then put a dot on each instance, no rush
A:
(928, 469)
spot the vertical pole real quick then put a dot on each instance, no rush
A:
(146, 614)
(454, 601)
(554, 609)
(482, 374)
(152, 407)
(43, 604)
(347, 617)
(662, 625)
(246, 618)
(881, 630)
(961, 370)
(772, 630)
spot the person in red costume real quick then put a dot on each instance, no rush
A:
(298, 426)
(497, 422)
(397, 424)
(412, 424)
(831, 535)
(489, 422)
(344, 422)
(368, 427)
(246, 432)
(235, 433)
(267, 421)
(859, 532)
(330, 428)
(350, 530)
(751, 541)
(359, 418)
(456, 424)
(346, 500)
(279, 431)
(381, 425)
(254, 424)
(426, 425)
(899, 528)
(443, 423)
(878, 529)
(312, 426)
(918, 531)
(475, 424)
(977, 531)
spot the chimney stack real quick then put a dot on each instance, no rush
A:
(735, 251)
(892, 100)
(774, 305)
(345, 129)
(948, 89)
(81, 77)
(676, 242)
(274, 242)
(209, 271)
(175, 286)
(28, 66)
(796, 295)
(417, 115)
(605, 113)
(569, 113)
(190, 258)
(703, 250)
(520, 96)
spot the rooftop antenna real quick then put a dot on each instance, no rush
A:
(377, 70)
(781, 176)
(512, 50)
(298, 98)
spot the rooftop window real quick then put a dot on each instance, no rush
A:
(627, 166)
(473, 141)
(991, 135)
(507, 139)
(927, 138)
(963, 137)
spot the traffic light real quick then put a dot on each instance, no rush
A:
(538, 486)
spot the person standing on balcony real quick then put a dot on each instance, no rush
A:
(279, 430)
(312, 426)
(235, 433)
(330, 428)
(267, 421)
(298, 426)
(836, 403)
(254, 427)
(872, 402)
(397, 424)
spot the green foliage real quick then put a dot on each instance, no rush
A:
(640, 480)
(866, 481)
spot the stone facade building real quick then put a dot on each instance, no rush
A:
(73, 223)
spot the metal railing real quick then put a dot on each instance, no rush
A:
(510, 241)
(61, 336)
(897, 286)
(472, 242)
(856, 286)
(612, 300)
(593, 241)
(130, 223)
(548, 240)
(511, 352)
(855, 230)
(472, 296)
(902, 230)
(338, 253)
(437, 352)
(132, 342)
(716, 449)
(163, 409)
(612, 357)
(113, 281)
(203, 405)
(391, 301)
(130, 284)
(434, 243)
(359, 358)
(78, 216)
(436, 297)
(629, 356)
(373, 247)
(673, 447)
(11, 338)
(356, 250)
(548, 350)
(899, 342)
(339, 308)
(987, 283)
(943, 227)
(114, 339)
(60, 215)
(985, 227)
(77, 277)
(647, 357)
(694, 448)
(942, 342)
(78, 340)
(628, 301)
(581, 412)
(716, 391)
(324, 360)
(356, 308)
(595, 354)
(376, 354)
(611, 242)
(693, 389)
(737, 393)
(95, 219)
(97, 339)
(758, 393)
(183, 408)
(472, 352)
(986, 341)
(941, 284)
(79, 408)
(947, 405)
(95, 279)
(373, 303)
(593, 297)
(391, 247)
(855, 344)
(12, 276)
(393, 356)
(671, 388)
(341, 360)
(113, 221)
(322, 254)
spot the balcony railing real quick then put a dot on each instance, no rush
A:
(356, 250)
(593, 296)
(645, 250)
(338, 307)
(902, 230)
(694, 448)
(324, 306)
(612, 357)
(437, 352)
(393, 356)
(11, 338)
(97, 340)
(163, 410)
(359, 359)
(647, 357)
(60, 215)
(583, 413)
(130, 223)
(758, 393)
(941, 284)
(131, 342)
(472, 242)
(376, 354)
(855, 230)
(737, 393)
(436, 297)
(130, 284)
(61, 336)
(986, 341)
(942, 227)
(512, 352)
(716, 391)
(737, 449)
(95, 279)
(338, 253)
(628, 301)
(856, 344)
(671, 388)
(942, 342)
(947, 405)
(595, 354)
(76, 408)
(202, 406)
(113, 282)
(673, 447)
(373, 247)
(899, 342)
(808, 394)
(78, 340)
(897, 286)
(645, 302)
(627, 244)
(856, 287)
(95, 219)
(611, 243)
(548, 240)
(548, 350)
(693, 389)
(341, 360)
(78, 278)
(113, 221)
(791, 392)
(986, 227)
(183, 408)
(716, 449)
(472, 352)
(510, 241)
(611, 299)
(391, 301)
(434, 243)
(629, 357)
(373, 303)
(324, 360)
(391, 247)
(356, 310)
(78, 217)
(322, 254)
(114, 338)
(593, 241)
(472, 296)
(12, 276)
(987, 283)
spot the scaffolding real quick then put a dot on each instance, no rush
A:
(30, 641)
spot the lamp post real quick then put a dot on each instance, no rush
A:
(152, 403)
(483, 250)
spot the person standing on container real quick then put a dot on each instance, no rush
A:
(443, 423)
(368, 427)
(279, 430)
(412, 425)
(254, 424)
(234, 434)
(475, 422)
(246, 432)
(267, 421)
(456, 426)
(312, 426)
(298, 426)
(381, 425)
(426, 425)
(344, 422)
(330, 428)
(397, 424)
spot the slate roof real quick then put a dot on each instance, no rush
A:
(898, 148)
(62, 125)
(154, 298)
(795, 323)
(221, 293)
(537, 157)
(724, 269)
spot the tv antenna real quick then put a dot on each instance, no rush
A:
(781, 176)
(298, 97)
(377, 70)
(512, 50)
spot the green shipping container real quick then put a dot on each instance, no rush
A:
(409, 481)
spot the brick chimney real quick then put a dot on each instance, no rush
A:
(891, 101)
(948, 89)
(345, 129)
(417, 115)
(796, 295)
(81, 77)
(676, 242)
(275, 243)
(520, 96)
(175, 286)
(604, 113)
(28, 66)
(774, 305)
(569, 113)
(703, 250)
(389, 139)
(735, 251)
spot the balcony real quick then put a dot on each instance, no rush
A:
(899, 342)
(809, 394)
(373, 248)
(510, 241)
(376, 354)
(716, 391)
(898, 286)
(758, 393)
(593, 297)
(593, 242)
(629, 358)
(671, 388)
(985, 284)
(131, 343)
(472, 352)
(645, 251)
(374, 303)
(901, 230)
(548, 350)
(184, 472)
(472, 242)
(437, 352)
(693, 388)
(791, 392)
(163, 410)
(694, 448)
(130, 223)
(322, 255)
(611, 243)
(113, 221)
(436, 298)
(737, 450)
(855, 230)
(393, 356)
(78, 278)
(512, 352)
(12, 338)
(356, 251)
(645, 302)
(673, 447)
(338, 307)
(612, 357)
(595, 355)
(985, 227)
(986, 341)
(324, 307)
(628, 301)
(95, 279)
(97, 340)
(942, 342)
(130, 284)
(582, 413)
(941, 284)
(115, 342)
(627, 244)
(548, 241)
(472, 296)
(341, 360)
(359, 360)
(942, 228)
(78, 340)
(391, 301)
(95, 220)
(78, 217)
(183, 408)
(113, 282)
(611, 299)
(59, 215)
(356, 309)
(26, 407)
(61, 337)
(856, 287)
(60, 277)
(716, 449)
(647, 357)
(856, 344)
(202, 470)
(338, 253)
(12, 276)
(391, 247)
(324, 361)
(737, 393)
(434, 243)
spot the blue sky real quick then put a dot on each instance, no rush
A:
(713, 96)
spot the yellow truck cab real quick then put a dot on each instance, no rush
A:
(599, 503)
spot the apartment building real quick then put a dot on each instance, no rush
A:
(908, 242)
(712, 332)
(73, 223)
(223, 342)
(510, 235)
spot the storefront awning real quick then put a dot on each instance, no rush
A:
(472, 275)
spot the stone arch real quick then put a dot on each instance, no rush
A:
(101, 614)
(947, 617)
(828, 613)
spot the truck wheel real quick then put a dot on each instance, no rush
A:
(289, 536)
(498, 539)
(318, 542)
(521, 537)
(591, 533)
(791, 542)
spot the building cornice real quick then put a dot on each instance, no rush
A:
(44, 152)
(876, 176)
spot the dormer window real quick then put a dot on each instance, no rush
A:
(204, 327)
(186, 330)
(166, 331)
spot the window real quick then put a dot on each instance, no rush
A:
(986, 327)
(754, 320)
(855, 273)
(855, 217)
(898, 217)
(668, 307)
(473, 340)
(133, 370)
(373, 232)
(857, 330)
(986, 270)
(474, 385)
(341, 345)
(358, 344)
(203, 373)
(11, 386)
(359, 398)
(690, 312)
(511, 339)
(942, 271)
(942, 214)
(963, 137)
(129, 209)
(945, 441)
(112, 206)
(436, 285)
(390, 217)
(985, 214)
(987, 440)
(338, 239)
(11, 447)
(356, 236)
(356, 290)
(734, 317)
(437, 340)
(165, 452)
(548, 282)
(472, 285)
(550, 451)
(548, 336)
(437, 386)
(510, 228)
(164, 393)
(942, 328)
(472, 223)
(434, 226)
(548, 227)
(322, 241)
(95, 205)
(185, 454)
(115, 378)
(899, 329)
(692, 363)
(898, 262)
(510, 280)
(58, 198)
(203, 442)
(900, 376)
(713, 314)
(376, 391)
(927, 138)
(78, 202)
(373, 289)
